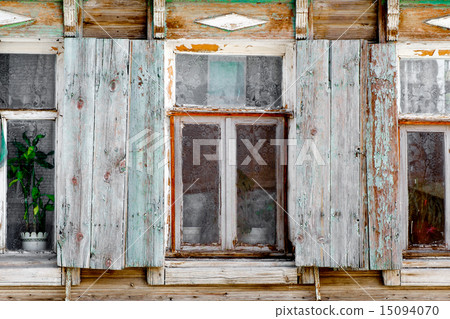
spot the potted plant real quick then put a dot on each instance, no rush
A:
(22, 169)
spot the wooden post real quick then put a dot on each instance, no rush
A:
(159, 19)
(75, 274)
(317, 283)
(155, 276)
(68, 283)
(393, 19)
(73, 18)
(382, 13)
(301, 19)
(392, 277)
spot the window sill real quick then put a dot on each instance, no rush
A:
(229, 272)
(26, 269)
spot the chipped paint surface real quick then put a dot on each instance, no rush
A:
(424, 52)
(231, 22)
(198, 48)
(382, 159)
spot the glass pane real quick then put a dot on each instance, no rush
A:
(201, 185)
(27, 81)
(229, 81)
(426, 188)
(256, 209)
(425, 86)
(16, 202)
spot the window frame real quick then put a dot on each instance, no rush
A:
(283, 48)
(228, 216)
(33, 47)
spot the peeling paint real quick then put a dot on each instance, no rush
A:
(424, 52)
(198, 48)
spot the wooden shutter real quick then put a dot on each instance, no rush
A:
(329, 213)
(92, 141)
(382, 159)
(145, 238)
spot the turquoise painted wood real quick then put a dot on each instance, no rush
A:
(382, 159)
(109, 166)
(146, 216)
(329, 208)
(93, 130)
(76, 139)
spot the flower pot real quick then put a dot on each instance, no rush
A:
(33, 241)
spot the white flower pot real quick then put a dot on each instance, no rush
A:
(33, 241)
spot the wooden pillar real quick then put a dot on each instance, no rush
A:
(155, 276)
(392, 277)
(73, 18)
(301, 19)
(393, 19)
(307, 275)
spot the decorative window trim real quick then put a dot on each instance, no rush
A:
(15, 267)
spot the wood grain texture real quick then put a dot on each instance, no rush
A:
(48, 17)
(345, 19)
(412, 24)
(181, 17)
(115, 19)
(346, 228)
(382, 159)
(109, 167)
(425, 277)
(312, 119)
(145, 232)
(74, 198)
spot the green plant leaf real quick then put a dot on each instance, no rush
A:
(51, 197)
(50, 153)
(35, 193)
(20, 147)
(37, 138)
(45, 164)
(41, 155)
(25, 138)
(35, 210)
(50, 207)
(13, 182)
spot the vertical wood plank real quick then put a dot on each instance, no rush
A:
(110, 136)
(345, 149)
(312, 116)
(382, 159)
(77, 138)
(145, 233)
(155, 276)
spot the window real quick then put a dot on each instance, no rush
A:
(424, 139)
(28, 104)
(228, 123)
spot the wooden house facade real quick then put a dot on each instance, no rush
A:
(325, 178)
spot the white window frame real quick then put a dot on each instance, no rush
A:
(31, 47)
(228, 190)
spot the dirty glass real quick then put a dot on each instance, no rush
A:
(426, 188)
(201, 185)
(229, 81)
(425, 86)
(256, 184)
(27, 81)
(14, 198)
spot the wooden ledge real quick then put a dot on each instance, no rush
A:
(29, 270)
(229, 272)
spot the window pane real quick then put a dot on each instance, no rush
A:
(201, 186)
(426, 188)
(425, 86)
(228, 81)
(256, 209)
(27, 81)
(15, 198)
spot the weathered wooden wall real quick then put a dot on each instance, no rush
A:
(130, 284)
(48, 17)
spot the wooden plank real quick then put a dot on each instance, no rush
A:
(145, 232)
(155, 276)
(181, 17)
(47, 16)
(426, 263)
(382, 159)
(425, 277)
(345, 19)
(412, 24)
(391, 277)
(189, 263)
(109, 166)
(159, 19)
(345, 152)
(77, 144)
(312, 115)
(115, 19)
(230, 276)
(307, 275)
